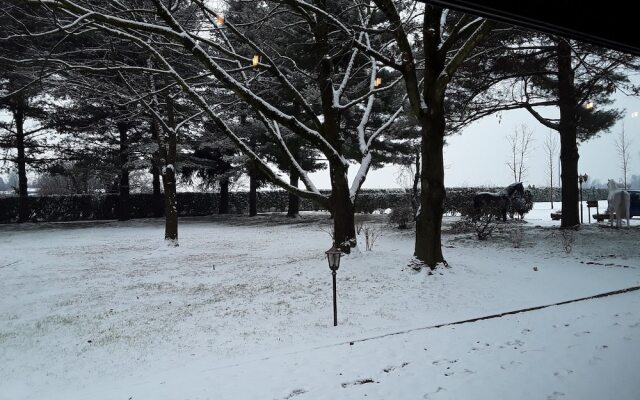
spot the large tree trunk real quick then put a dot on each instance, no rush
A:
(293, 210)
(342, 209)
(223, 205)
(158, 206)
(23, 194)
(124, 207)
(169, 179)
(253, 191)
(568, 137)
(428, 247)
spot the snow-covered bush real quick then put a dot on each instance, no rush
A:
(520, 204)
(368, 201)
(401, 216)
(486, 222)
(459, 201)
(104, 206)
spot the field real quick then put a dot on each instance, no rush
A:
(242, 310)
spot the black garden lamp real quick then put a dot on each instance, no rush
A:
(333, 256)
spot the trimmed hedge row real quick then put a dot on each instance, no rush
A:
(105, 206)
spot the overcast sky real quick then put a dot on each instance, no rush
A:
(478, 156)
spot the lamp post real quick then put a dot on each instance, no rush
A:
(581, 179)
(333, 256)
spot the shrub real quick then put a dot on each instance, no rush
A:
(371, 234)
(520, 204)
(401, 216)
(484, 225)
(104, 206)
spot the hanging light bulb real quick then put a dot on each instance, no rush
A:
(589, 105)
(220, 19)
(634, 114)
(256, 60)
(377, 82)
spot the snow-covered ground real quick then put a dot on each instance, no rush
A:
(242, 310)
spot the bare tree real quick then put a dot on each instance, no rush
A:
(622, 146)
(551, 149)
(520, 144)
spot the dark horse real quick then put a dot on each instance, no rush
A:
(496, 201)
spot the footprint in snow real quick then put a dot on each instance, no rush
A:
(515, 343)
(444, 361)
(391, 367)
(294, 393)
(594, 360)
(555, 396)
(511, 364)
(358, 382)
(430, 395)
(563, 373)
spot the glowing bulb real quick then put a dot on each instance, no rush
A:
(634, 114)
(220, 19)
(377, 82)
(589, 105)
(256, 60)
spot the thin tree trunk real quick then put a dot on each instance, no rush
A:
(293, 210)
(158, 206)
(21, 161)
(223, 204)
(551, 179)
(169, 179)
(253, 191)
(568, 137)
(124, 206)
(158, 201)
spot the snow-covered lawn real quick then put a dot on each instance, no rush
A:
(242, 310)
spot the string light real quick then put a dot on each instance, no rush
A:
(589, 105)
(634, 114)
(256, 60)
(377, 82)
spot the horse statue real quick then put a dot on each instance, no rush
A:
(497, 201)
(619, 203)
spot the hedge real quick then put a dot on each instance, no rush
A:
(104, 206)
